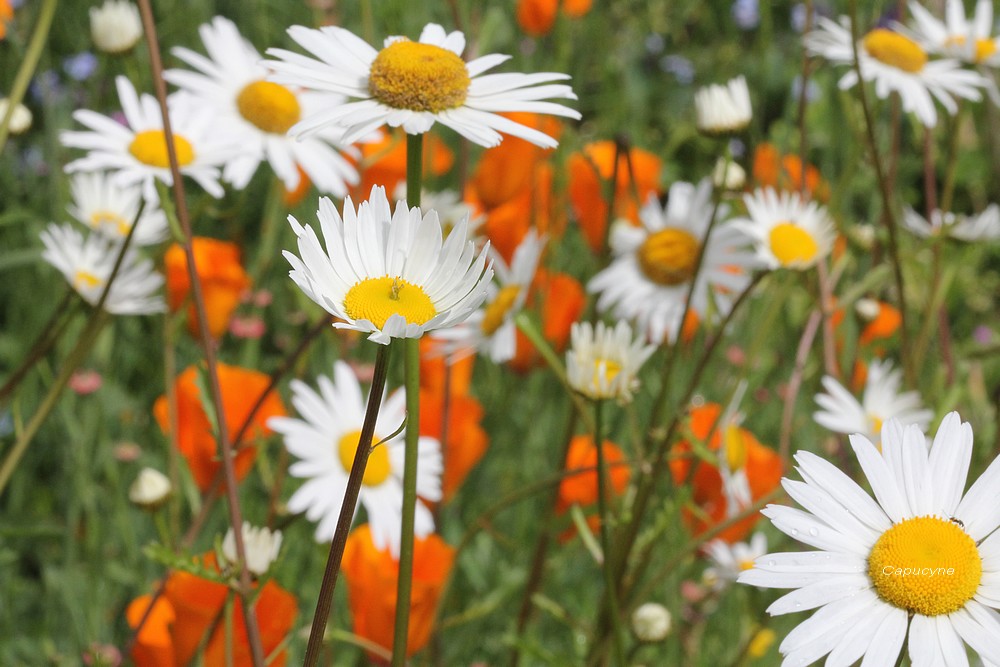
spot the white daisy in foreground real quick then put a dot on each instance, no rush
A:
(654, 264)
(87, 264)
(729, 560)
(787, 231)
(982, 227)
(137, 151)
(325, 441)
(260, 545)
(602, 362)
(919, 559)
(896, 63)
(723, 109)
(882, 400)
(110, 209)
(970, 40)
(415, 84)
(115, 26)
(491, 329)
(232, 82)
(388, 273)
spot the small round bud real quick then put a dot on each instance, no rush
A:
(728, 175)
(20, 120)
(115, 26)
(867, 309)
(150, 489)
(651, 622)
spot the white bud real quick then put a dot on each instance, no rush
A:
(260, 544)
(728, 175)
(867, 309)
(115, 27)
(150, 489)
(651, 622)
(724, 109)
(20, 120)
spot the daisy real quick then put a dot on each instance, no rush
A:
(87, 264)
(325, 441)
(723, 109)
(896, 64)
(110, 209)
(491, 329)
(654, 263)
(232, 82)
(415, 84)
(136, 152)
(260, 545)
(388, 273)
(842, 413)
(602, 362)
(787, 231)
(982, 227)
(969, 40)
(729, 560)
(920, 559)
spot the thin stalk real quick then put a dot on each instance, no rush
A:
(604, 518)
(325, 600)
(788, 410)
(826, 300)
(50, 334)
(28, 65)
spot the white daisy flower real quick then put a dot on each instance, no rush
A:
(882, 400)
(654, 263)
(982, 227)
(232, 82)
(970, 40)
(491, 329)
(896, 63)
(115, 26)
(729, 560)
(602, 362)
(87, 264)
(325, 441)
(388, 273)
(787, 231)
(723, 109)
(110, 209)
(920, 559)
(415, 84)
(137, 151)
(450, 207)
(260, 545)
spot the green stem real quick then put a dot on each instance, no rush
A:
(28, 66)
(325, 600)
(604, 518)
(414, 168)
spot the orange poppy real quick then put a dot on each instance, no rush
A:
(466, 442)
(434, 368)
(560, 299)
(371, 587)
(536, 17)
(154, 646)
(505, 171)
(762, 466)
(240, 390)
(223, 281)
(882, 327)
(581, 488)
(384, 162)
(784, 172)
(588, 172)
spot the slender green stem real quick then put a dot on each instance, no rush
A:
(50, 334)
(414, 168)
(604, 518)
(28, 66)
(357, 474)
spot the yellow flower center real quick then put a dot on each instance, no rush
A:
(269, 106)
(379, 466)
(876, 424)
(150, 147)
(926, 565)
(378, 299)
(668, 257)
(984, 47)
(498, 308)
(86, 280)
(610, 367)
(418, 77)
(105, 219)
(736, 448)
(792, 245)
(746, 564)
(895, 50)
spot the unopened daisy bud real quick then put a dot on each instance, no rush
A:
(867, 309)
(115, 27)
(728, 175)
(651, 622)
(602, 362)
(20, 120)
(721, 110)
(150, 489)
(864, 236)
(260, 545)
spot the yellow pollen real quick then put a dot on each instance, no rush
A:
(611, 370)
(745, 565)
(269, 106)
(984, 47)
(668, 257)
(736, 448)
(895, 50)
(86, 280)
(418, 77)
(876, 424)
(379, 466)
(378, 299)
(792, 245)
(926, 565)
(105, 219)
(150, 147)
(497, 310)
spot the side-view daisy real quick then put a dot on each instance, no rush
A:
(896, 64)
(919, 561)
(388, 273)
(325, 441)
(971, 40)
(882, 400)
(110, 209)
(654, 264)
(86, 263)
(787, 231)
(491, 329)
(415, 84)
(136, 152)
(232, 82)
(729, 560)
(602, 362)
(724, 109)
(982, 227)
